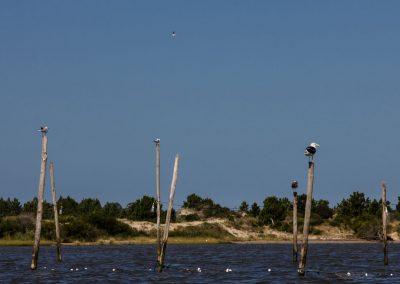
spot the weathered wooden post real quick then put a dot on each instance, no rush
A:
(53, 192)
(35, 252)
(168, 217)
(384, 224)
(158, 190)
(304, 244)
(294, 187)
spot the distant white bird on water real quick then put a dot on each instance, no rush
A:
(311, 150)
(43, 129)
(157, 140)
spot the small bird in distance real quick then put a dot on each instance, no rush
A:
(43, 129)
(157, 140)
(173, 34)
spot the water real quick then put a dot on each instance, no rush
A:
(250, 263)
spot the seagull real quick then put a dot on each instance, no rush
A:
(311, 150)
(173, 34)
(157, 140)
(43, 129)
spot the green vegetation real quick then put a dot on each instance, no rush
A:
(88, 220)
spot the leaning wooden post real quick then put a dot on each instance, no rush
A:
(304, 244)
(53, 192)
(384, 224)
(36, 243)
(294, 187)
(157, 141)
(168, 218)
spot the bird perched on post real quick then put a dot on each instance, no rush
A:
(157, 140)
(295, 184)
(43, 129)
(173, 34)
(311, 150)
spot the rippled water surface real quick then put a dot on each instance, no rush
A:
(249, 263)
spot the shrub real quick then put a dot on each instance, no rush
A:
(191, 217)
(203, 230)
(111, 226)
(80, 230)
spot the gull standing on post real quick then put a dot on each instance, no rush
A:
(157, 140)
(43, 129)
(311, 150)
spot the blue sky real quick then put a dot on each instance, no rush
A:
(241, 90)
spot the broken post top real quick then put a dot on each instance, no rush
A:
(43, 130)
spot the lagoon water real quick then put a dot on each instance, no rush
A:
(249, 263)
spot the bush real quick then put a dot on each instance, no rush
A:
(11, 226)
(111, 226)
(80, 230)
(191, 217)
(203, 230)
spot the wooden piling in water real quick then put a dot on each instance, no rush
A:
(158, 190)
(168, 218)
(53, 193)
(35, 252)
(384, 225)
(304, 244)
(295, 247)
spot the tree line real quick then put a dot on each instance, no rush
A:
(88, 219)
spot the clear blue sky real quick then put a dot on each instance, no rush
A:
(241, 90)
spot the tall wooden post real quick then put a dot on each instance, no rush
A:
(53, 192)
(294, 187)
(384, 224)
(168, 218)
(157, 141)
(35, 252)
(304, 244)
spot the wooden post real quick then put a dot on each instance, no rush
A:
(384, 224)
(294, 186)
(168, 218)
(158, 189)
(304, 244)
(53, 192)
(35, 252)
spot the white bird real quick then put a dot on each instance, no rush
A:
(157, 140)
(173, 34)
(311, 150)
(228, 270)
(43, 129)
(198, 269)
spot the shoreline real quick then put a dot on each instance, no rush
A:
(185, 241)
